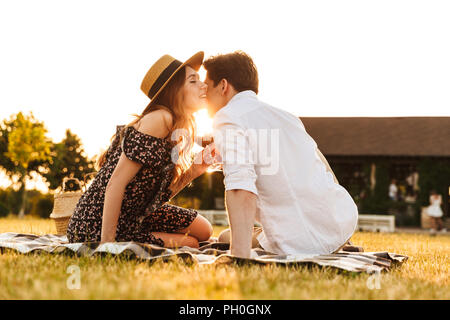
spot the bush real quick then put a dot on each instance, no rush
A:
(44, 206)
(4, 211)
(377, 201)
(36, 202)
(405, 213)
(11, 199)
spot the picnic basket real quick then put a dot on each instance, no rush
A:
(64, 204)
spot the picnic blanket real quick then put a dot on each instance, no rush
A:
(209, 252)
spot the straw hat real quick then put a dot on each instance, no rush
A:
(163, 70)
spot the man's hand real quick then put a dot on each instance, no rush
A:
(241, 207)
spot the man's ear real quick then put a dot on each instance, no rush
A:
(224, 86)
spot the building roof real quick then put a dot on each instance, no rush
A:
(396, 136)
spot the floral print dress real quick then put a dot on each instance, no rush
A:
(144, 208)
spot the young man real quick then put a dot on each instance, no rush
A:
(274, 173)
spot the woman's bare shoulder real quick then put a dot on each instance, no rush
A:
(157, 123)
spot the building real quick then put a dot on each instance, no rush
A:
(413, 151)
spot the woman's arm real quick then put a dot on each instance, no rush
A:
(115, 189)
(189, 175)
(201, 163)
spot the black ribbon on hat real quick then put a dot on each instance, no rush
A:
(163, 77)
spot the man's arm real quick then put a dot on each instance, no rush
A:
(321, 156)
(234, 146)
(241, 207)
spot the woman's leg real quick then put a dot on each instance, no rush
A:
(200, 228)
(177, 225)
(439, 224)
(435, 223)
(176, 240)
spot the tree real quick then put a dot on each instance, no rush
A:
(68, 160)
(27, 145)
(6, 128)
(434, 174)
(377, 200)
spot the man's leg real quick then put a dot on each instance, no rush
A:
(225, 236)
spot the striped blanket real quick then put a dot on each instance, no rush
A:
(349, 258)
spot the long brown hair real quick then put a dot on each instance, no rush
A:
(170, 99)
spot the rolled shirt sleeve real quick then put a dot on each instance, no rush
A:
(233, 143)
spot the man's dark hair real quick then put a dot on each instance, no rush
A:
(237, 68)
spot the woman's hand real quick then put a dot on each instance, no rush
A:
(207, 157)
(202, 161)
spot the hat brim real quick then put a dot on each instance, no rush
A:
(195, 62)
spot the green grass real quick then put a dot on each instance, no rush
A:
(424, 276)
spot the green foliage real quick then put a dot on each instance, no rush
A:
(44, 206)
(36, 203)
(68, 159)
(377, 200)
(26, 148)
(206, 187)
(11, 199)
(27, 142)
(3, 210)
(434, 174)
(217, 184)
(7, 128)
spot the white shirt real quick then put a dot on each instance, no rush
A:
(393, 191)
(434, 209)
(267, 151)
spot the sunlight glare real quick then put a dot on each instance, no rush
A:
(204, 123)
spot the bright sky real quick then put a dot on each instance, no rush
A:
(79, 64)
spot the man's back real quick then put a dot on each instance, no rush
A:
(301, 208)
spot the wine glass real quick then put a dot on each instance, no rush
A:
(215, 167)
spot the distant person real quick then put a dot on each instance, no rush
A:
(292, 192)
(435, 212)
(410, 185)
(127, 201)
(393, 190)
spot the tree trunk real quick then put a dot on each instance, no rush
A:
(24, 197)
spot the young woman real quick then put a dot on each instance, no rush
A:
(144, 167)
(435, 212)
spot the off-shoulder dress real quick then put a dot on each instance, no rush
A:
(144, 207)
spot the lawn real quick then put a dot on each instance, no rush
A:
(424, 276)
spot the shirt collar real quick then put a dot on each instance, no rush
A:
(236, 97)
(245, 93)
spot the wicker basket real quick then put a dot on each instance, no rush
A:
(64, 205)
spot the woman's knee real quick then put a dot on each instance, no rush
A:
(205, 230)
(200, 228)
